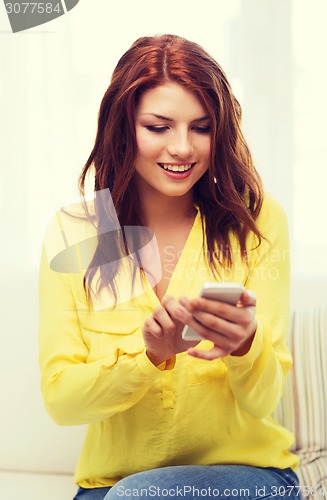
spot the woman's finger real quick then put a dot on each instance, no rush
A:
(152, 327)
(222, 309)
(175, 309)
(223, 326)
(161, 316)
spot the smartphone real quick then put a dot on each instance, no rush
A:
(224, 292)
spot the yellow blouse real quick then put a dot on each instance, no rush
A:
(188, 411)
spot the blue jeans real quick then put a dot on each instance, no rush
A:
(91, 493)
(197, 481)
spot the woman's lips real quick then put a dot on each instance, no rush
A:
(176, 167)
(177, 170)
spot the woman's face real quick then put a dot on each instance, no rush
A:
(173, 141)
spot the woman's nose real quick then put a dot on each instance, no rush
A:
(180, 145)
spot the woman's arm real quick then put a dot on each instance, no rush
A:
(251, 339)
(77, 387)
(257, 378)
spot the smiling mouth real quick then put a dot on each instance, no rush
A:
(176, 168)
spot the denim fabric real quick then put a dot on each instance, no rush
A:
(91, 493)
(212, 481)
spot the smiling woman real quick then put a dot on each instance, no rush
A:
(178, 145)
(173, 68)
(170, 151)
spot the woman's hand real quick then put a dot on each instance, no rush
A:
(162, 332)
(230, 328)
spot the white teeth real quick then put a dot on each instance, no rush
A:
(176, 168)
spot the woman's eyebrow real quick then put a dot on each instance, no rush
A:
(161, 117)
(202, 119)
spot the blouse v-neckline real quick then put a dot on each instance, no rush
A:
(193, 244)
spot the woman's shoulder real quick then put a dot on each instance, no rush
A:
(272, 222)
(69, 235)
(271, 210)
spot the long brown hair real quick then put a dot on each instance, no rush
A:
(229, 194)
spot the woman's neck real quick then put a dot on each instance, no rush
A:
(164, 211)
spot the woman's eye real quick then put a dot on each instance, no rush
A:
(159, 129)
(202, 130)
(155, 128)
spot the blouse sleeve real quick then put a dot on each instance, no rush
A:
(257, 378)
(77, 386)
